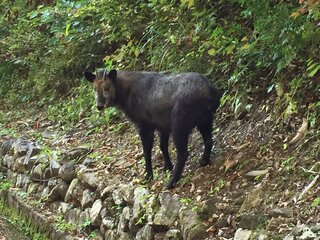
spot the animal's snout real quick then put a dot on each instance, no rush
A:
(100, 107)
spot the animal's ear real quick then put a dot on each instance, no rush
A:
(113, 75)
(89, 76)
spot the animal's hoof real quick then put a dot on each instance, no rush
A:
(203, 163)
(167, 167)
(148, 178)
(171, 186)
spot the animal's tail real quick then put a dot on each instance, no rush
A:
(216, 96)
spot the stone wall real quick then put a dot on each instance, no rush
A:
(90, 199)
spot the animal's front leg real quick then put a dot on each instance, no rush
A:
(147, 136)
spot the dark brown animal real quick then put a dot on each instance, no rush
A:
(170, 104)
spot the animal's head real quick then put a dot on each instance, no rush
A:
(103, 83)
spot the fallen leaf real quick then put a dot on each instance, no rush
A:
(301, 131)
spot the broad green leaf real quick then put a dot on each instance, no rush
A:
(212, 51)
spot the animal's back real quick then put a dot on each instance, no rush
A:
(154, 97)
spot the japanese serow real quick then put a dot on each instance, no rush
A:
(170, 104)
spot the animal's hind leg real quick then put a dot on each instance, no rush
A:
(147, 137)
(164, 138)
(206, 131)
(180, 139)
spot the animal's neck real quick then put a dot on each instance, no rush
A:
(123, 87)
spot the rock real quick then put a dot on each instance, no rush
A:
(303, 232)
(36, 172)
(90, 179)
(242, 234)
(74, 193)
(84, 218)
(73, 216)
(21, 180)
(18, 165)
(54, 167)
(307, 234)
(45, 193)
(88, 162)
(124, 236)
(20, 147)
(87, 198)
(252, 200)
(109, 223)
(145, 233)
(67, 172)
(252, 221)
(256, 173)
(159, 236)
(191, 225)
(123, 224)
(58, 192)
(111, 235)
(315, 227)
(207, 208)
(106, 188)
(173, 234)
(64, 207)
(169, 211)
(8, 161)
(141, 196)
(6, 146)
(94, 214)
(32, 188)
(74, 154)
(122, 194)
(281, 212)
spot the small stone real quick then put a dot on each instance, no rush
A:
(159, 236)
(124, 219)
(74, 154)
(145, 233)
(74, 193)
(59, 192)
(242, 234)
(6, 146)
(18, 166)
(67, 172)
(191, 225)
(256, 173)
(36, 172)
(173, 234)
(281, 212)
(64, 208)
(307, 234)
(87, 198)
(33, 188)
(73, 216)
(169, 211)
(54, 167)
(8, 161)
(90, 178)
(207, 208)
(95, 213)
(252, 221)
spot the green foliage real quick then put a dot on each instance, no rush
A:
(5, 185)
(241, 45)
(63, 225)
(316, 202)
(20, 221)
